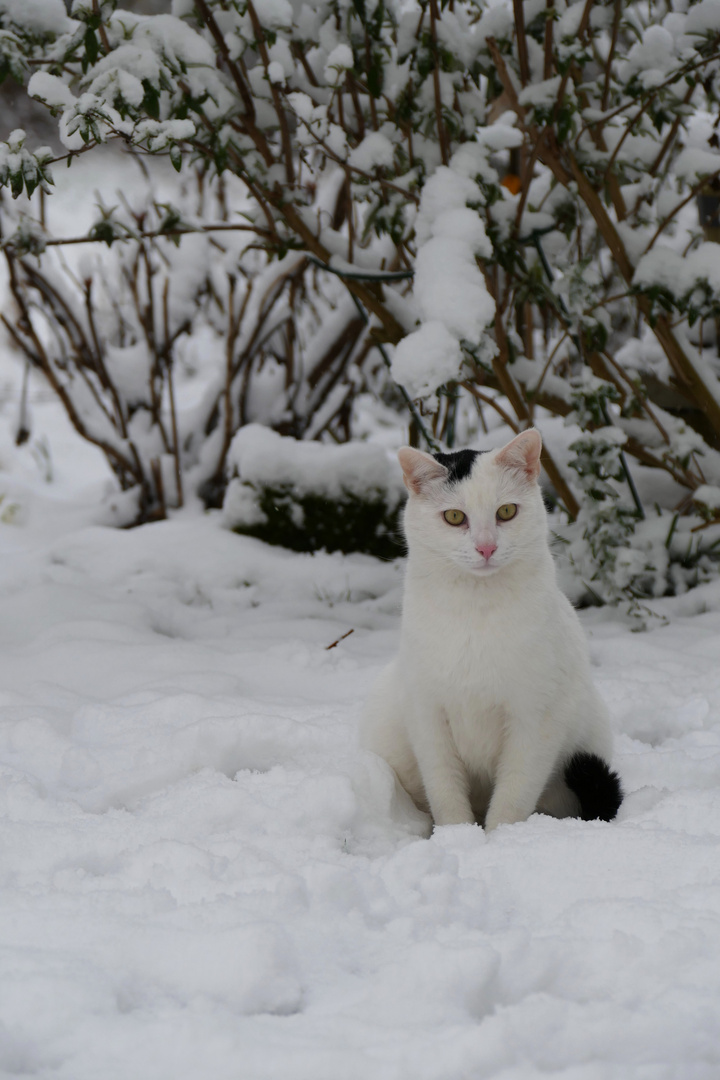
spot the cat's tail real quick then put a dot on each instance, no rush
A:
(596, 786)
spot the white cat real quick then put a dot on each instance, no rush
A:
(489, 712)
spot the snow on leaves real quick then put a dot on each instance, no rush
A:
(21, 170)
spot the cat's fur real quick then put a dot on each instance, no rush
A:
(489, 711)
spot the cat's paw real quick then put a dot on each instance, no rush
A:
(498, 817)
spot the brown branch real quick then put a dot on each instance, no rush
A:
(442, 134)
(154, 234)
(512, 424)
(566, 75)
(156, 471)
(341, 638)
(339, 345)
(242, 88)
(356, 169)
(101, 27)
(356, 104)
(369, 295)
(523, 61)
(76, 337)
(507, 385)
(171, 391)
(277, 100)
(548, 43)
(671, 134)
(40, 355)
(110, 386)
(668, 218)
(611, 54)
(371, 99)
(679, 74)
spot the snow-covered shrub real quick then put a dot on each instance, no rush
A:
(307, 496)
(618, 551)
(279, 342)
(504, 191)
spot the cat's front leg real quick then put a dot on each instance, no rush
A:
(527, 760)
(444, 776)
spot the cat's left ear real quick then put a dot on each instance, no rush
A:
(419, 469)
(523, 454)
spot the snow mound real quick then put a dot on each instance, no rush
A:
(262, 457)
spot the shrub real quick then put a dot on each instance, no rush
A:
(307, 496)
(504, 193)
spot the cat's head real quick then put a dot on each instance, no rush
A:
(481, 511)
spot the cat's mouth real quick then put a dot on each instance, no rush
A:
(484, 569)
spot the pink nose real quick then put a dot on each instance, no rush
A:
(486, 550)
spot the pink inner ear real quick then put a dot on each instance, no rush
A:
(523, 454)
(419, 469)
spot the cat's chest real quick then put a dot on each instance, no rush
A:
(473, 646)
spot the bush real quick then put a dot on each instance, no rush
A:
(308, 496)
(503, 194)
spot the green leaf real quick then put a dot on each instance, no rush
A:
(375, 75)
(151, 101)
(92, 49)
(105, 231)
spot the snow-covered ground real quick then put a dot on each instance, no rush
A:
(202, 877)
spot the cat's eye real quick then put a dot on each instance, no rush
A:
(454, 517)
(506, 512)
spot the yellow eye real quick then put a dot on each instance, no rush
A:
(454, 517)
(509, 510)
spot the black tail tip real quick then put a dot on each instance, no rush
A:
(596, 785)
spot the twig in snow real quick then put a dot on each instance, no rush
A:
(339, 640)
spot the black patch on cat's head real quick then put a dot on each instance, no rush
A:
(458, 463)
(596, 786)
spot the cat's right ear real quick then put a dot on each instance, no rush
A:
(419, 469)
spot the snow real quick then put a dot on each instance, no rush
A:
(50, 89)
(707, 495)
(275, 13)
(449, 287)
(276, 72)
(425, 359)
(202, 876)
(374, 151)
(693, 163)
(338, 62)
(703, 18)
(129, 370)
(541, 95)
(449, 291)
(261, 456)
(693, 277)
(652, 58)
(37, 15)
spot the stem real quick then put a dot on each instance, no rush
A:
(171, 393)
(442, 134)
(512, 424)
(277, 101)
(521, 42)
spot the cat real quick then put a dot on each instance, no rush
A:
(489, 713)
